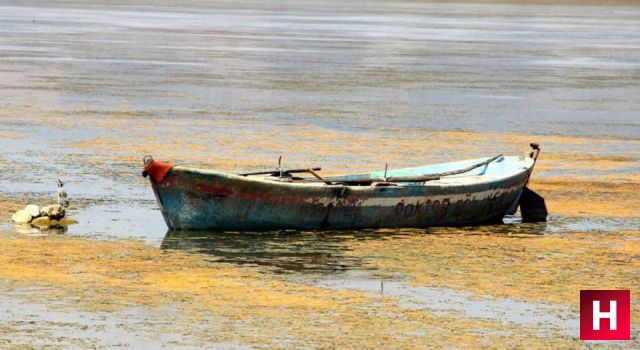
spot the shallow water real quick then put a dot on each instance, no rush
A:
(446, 300)
(324, 259)
(88, 90)
(354, 66)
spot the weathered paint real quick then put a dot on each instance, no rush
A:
(199, 199)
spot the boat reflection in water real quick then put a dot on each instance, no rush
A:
(315, 251)
(284, 250)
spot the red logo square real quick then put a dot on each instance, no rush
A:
(605, 315)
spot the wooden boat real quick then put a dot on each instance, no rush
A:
(466, 192)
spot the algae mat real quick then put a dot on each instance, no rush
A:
(183, 300)
(89, 89)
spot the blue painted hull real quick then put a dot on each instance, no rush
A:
(207, 200)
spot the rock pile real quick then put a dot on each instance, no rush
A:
(45, 217)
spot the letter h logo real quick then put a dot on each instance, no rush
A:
(605, 315)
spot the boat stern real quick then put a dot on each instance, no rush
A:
(532, 206)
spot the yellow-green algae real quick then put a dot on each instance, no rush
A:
(8, 206)
(254, 306)
(589, 198)
(249, 305)
(550, 268)
(596, 182)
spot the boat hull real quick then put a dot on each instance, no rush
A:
(203, 200)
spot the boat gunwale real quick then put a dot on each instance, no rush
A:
(528, 164)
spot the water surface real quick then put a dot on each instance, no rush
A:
(87, 90)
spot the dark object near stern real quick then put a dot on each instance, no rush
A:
(532, 207)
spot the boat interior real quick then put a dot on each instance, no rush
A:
(498, 166)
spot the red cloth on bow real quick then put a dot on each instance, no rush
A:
(157, 170)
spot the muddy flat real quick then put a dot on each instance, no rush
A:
(90, 89)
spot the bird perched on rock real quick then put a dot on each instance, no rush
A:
(62, 195)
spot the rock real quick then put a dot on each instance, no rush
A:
(32, 210)
(21, 217)
(42, 222)
(55, 211)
